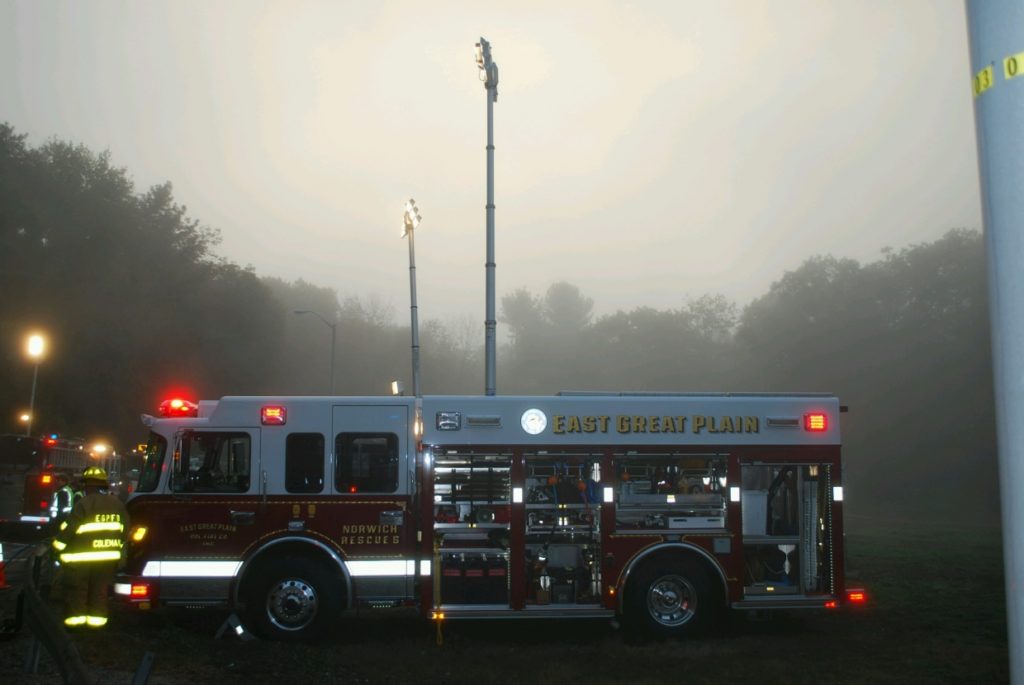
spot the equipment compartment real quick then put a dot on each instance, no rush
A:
(563, 536)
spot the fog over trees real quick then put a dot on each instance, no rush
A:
(138, 305)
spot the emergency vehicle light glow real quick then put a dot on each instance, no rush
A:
(178, 407)
(46, 479)
(273, 416)
(140, 591)
(857, 596)
(815, 423)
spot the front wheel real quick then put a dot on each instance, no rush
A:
(292, 600)
(673, 599)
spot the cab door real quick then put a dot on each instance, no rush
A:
(373, 527)
(210, 518)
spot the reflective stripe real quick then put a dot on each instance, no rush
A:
(388, 567)
(35, 519)
(102, 526)
(63, 525)
(75, 620)
(77, 557)
(229, 569)
(59, 546)
(96, 621)
(191, 569)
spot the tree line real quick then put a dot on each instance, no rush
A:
(138, 305)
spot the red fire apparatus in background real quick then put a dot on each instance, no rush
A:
(29, 470)
(665, 510)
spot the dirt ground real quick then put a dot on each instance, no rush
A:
(936, 615)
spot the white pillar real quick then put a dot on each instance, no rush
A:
(996, 32)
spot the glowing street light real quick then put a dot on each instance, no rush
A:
(411, 219)
(35, 347)
(334, 334)
(489, 75)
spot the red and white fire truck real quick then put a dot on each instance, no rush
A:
(664, 510)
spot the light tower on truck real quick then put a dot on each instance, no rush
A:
(489, 75)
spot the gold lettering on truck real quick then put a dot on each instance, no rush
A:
(562, 424)
(364, 534)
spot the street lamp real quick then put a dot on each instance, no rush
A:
(411, 219)
(489, 75)
(334, 330)
(35, 347)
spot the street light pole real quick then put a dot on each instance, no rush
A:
(489, 75)
(36, 347)
(32, 401)
(334, 331)
(411, 221)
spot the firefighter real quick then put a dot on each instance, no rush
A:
(63, 499)
(89, 548)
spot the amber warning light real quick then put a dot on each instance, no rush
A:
(178, 407)
(815, 423)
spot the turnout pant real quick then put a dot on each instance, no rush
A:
(86, 585)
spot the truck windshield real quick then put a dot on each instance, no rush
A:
(156, 448)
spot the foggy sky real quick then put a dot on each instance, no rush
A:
(645, 151)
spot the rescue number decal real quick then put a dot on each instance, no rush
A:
(361, 534)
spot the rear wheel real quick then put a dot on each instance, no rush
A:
(291, 599)
(673, 599)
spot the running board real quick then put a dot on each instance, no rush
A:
(464, 611)
(784, 602)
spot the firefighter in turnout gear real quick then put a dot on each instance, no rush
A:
(63, 499)
(89, 548)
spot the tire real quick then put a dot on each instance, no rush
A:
(291, 600)
(673, 599)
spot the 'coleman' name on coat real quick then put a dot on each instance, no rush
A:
(359, 534)
(654, 424)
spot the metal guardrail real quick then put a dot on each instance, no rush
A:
(48, 631)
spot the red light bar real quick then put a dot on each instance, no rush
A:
(831, 604)
(273, 416)
(816, 423)
(178, 407)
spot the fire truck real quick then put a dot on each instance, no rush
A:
(29, 470)
(663, 511)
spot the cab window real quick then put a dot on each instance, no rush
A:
(213, 462)
(152, 467)
(367, 462)
(304, 462)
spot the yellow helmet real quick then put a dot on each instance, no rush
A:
(95, 475)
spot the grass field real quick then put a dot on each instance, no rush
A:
(936, 615)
